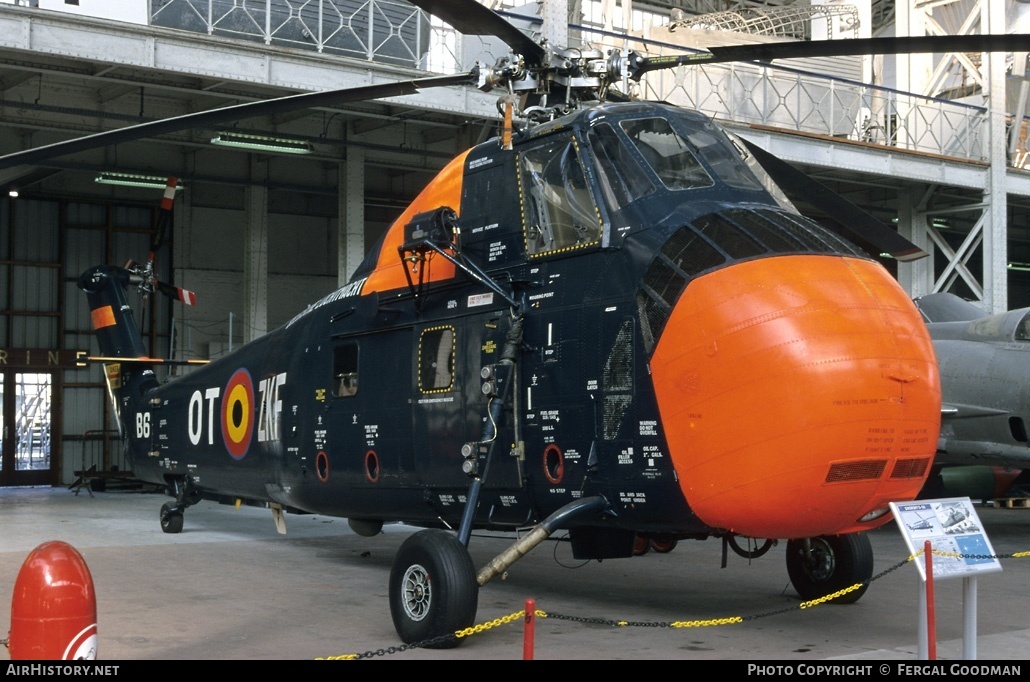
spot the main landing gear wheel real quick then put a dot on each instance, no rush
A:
(833, 563)
(171, 518)
(663, 545)
(641, 545)
(433, 589)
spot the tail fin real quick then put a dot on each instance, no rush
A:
(113, 320)
(128, 370)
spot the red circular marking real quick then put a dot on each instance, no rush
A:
(372, 465)
(554, 463)
(322, 466)
(238, 426)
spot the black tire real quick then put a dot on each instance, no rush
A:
(641, 545)
(171, 518)
(433, 589)
(663, 545)
(836, 562)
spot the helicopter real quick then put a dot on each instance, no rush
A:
(607, 321)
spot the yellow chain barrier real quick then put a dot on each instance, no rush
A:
(483, 627)
(829, 597)
(706, 623)
(518, 615)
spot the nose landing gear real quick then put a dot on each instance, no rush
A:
(823, 565)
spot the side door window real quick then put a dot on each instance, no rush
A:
(436, 360)
(345, 370)
(559, 213)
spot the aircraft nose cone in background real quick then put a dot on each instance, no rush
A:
(798, 393)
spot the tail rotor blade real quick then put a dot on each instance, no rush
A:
(164, 217)
(177, 293)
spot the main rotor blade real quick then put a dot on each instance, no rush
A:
(848, 220)
(305, 100)
(472, 18)
(767, 52)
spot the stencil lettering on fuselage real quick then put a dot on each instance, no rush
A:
(271, 407)
(236, 413)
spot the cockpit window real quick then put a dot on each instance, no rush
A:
(727, 161)
(558, 210)
(1023, 329)
(666, 153)
(621, 178)
(761, 175)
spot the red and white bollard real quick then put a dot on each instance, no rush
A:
(54, 609)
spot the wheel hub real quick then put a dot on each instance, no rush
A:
(417, 593)
(820, 562)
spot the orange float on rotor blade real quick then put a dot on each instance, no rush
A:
(54, 609)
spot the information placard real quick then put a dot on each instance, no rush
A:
(960, 545)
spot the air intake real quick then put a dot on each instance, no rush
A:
(867, 470)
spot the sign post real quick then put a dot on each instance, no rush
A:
(961, 549)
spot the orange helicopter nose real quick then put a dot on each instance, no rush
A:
(798, 393)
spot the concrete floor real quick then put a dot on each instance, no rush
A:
(230, 587)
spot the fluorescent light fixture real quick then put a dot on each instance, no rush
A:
(135, 180)
(13, 193)
(263, 143)
(939, 223)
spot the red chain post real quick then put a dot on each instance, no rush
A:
(530, 630)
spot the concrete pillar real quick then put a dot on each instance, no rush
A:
(255, 260)
(351, 227)
(182, 235)
(995, 248)
(915, 277)
(556, 22)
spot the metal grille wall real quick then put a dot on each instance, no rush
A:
(45, 245)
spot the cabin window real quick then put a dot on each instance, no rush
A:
(345, 370)
(622, 180)
(558, 211)
(668, 154)
(436, 360)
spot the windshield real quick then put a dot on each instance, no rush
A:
(668, 154)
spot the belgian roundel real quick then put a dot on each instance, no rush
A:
(238, 413)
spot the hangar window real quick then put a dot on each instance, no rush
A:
(436, 360)
(345, 370)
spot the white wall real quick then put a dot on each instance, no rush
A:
(134, 11)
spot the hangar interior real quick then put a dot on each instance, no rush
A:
(934, 144)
